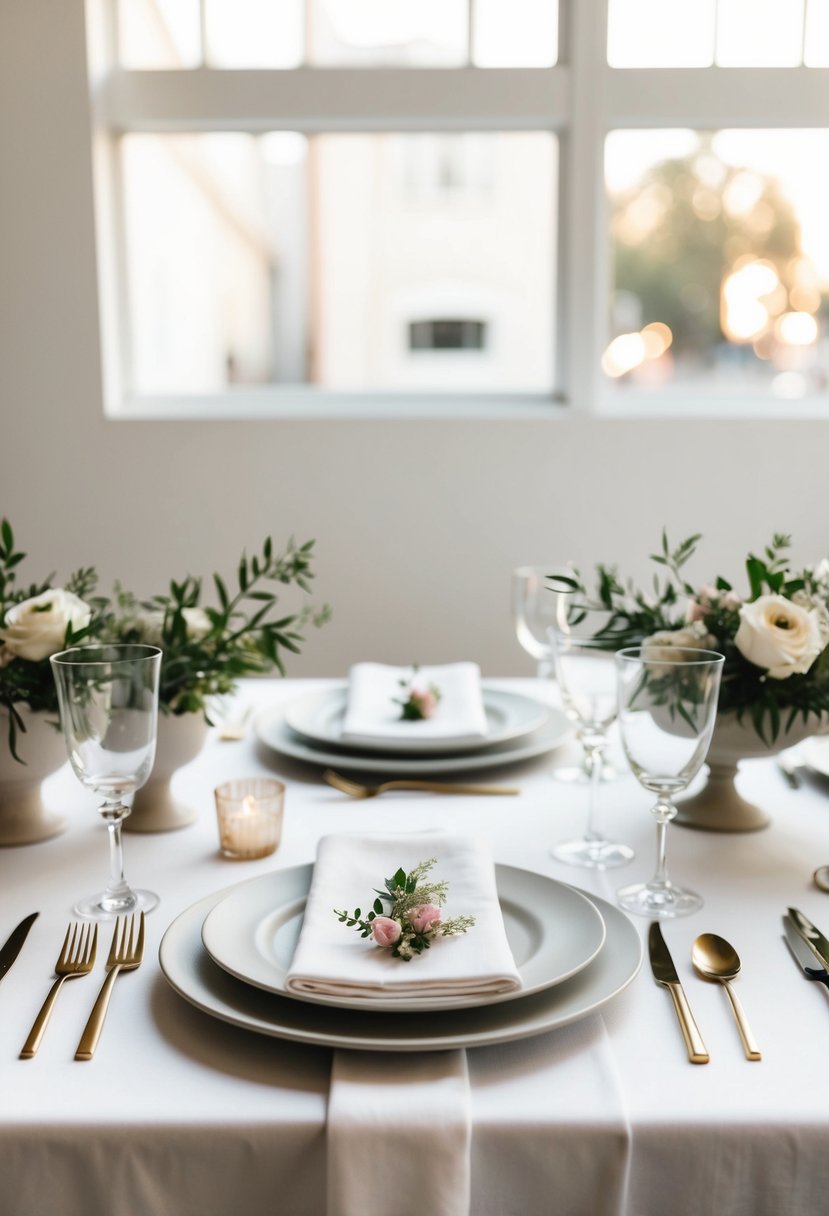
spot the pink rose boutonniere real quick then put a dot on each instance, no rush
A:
(418, 702)
(413, 919)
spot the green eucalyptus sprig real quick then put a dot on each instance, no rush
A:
(207, 648)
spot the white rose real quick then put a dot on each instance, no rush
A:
(151, 624)
(779, 635)
(36, 628)
(694, 637)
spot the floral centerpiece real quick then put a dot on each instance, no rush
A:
(208, 647)
(774, 633)
(37, 621)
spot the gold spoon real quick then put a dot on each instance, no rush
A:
(716, 959)
(821, 878)
(355, 790)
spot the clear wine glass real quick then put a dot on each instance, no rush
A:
(108, 698)
(667, 710)
(586, 674)
(534, 606)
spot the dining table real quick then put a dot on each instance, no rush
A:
(183, 1110)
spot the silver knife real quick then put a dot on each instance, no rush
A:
(15, 942)
(802, 953)
(664, 972)
(811, 935)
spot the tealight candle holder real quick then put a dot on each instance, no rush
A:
(249, 811)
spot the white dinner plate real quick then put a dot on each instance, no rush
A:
(274, 732)
(192, 973)
(553, 931)
(320, 716)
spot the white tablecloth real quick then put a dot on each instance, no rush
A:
(179, 1113)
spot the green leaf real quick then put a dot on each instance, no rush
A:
(756, 571)
(221, 591)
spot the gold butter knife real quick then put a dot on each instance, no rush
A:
(664, 972)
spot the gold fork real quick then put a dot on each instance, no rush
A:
(355, 790)
(125, 954)
(76, 958)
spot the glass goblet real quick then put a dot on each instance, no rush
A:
(667, 710)
(108, 698)
(534, 606)
(586, 675)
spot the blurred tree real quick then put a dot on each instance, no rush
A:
(680, 232)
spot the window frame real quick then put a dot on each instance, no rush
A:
(579, 100)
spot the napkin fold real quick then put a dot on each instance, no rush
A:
(334, 960)
(399, 1131)
(373, 689)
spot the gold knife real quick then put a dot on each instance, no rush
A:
(664, 972)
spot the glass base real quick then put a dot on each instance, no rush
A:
(103, 907)
(593, 854)
(662, 900)
(576, 775)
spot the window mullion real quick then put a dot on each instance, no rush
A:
(583, 240)
(331, 99)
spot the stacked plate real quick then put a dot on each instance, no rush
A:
(230, 953)
(310, 729)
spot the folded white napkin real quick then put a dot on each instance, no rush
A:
(333, 959)
(373, 689)
(399, 1133)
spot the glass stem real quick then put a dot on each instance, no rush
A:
(593, 755)
(114, 814)
(664, 812)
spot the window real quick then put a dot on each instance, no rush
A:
(590, 204)
(447, 335)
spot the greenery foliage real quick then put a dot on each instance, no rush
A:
(208, 648)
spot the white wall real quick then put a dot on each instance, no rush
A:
(418, 524)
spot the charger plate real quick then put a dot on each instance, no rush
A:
(191, 972)
(273, 731)
(553, 931)
(319, 718)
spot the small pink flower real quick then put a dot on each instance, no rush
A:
(731, 601)
(424, 917)
(425, 700)
(701, 606)
(385, 931)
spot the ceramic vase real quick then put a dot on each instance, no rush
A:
(719, 807)
(155, 808)
(23, 817)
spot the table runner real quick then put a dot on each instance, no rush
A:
(399, 1134)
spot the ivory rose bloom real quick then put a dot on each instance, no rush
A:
(779, 635)
(385, 931)
(424, 917)
(36, 628)
(695, 637)
(152, 623)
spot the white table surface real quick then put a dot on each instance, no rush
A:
(179, 1113)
